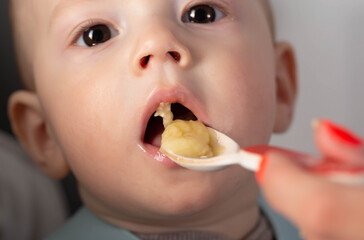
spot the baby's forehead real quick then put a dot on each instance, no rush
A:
(266, 5)
(38, 6)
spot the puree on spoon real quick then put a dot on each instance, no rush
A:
(187, 138)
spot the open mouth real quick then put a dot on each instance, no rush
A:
(155, 128)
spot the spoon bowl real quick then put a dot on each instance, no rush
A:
(232, 155)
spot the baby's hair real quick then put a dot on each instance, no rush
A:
(21, 41)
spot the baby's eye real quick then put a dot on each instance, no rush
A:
(202, 14)
(95, 35)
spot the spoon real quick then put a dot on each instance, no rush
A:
(232, 155)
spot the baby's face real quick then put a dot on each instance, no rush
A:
(102, 67)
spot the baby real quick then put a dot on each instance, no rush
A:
(95, 72)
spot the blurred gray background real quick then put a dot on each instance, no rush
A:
(328, 36)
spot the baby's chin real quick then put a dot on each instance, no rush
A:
(188, 198)
(200, 192)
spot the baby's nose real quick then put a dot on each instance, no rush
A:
(158, 45)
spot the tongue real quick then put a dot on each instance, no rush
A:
(156, 139)
(154, 132)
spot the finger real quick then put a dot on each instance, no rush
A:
(338, 143)
(319, 207)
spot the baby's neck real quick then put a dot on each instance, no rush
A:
(262, 231)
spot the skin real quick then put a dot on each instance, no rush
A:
(322, 209)
(89, 107)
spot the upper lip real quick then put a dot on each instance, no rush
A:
(172, 95)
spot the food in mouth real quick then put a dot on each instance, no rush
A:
(155, 128)
(188, 138)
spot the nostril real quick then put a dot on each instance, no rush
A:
(176, 56)
(144, 61)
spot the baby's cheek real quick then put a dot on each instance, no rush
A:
(249, 120)
(83, 129)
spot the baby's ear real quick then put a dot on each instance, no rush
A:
(286, 85)
(31, 128)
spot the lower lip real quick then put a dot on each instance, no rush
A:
(158, 156)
